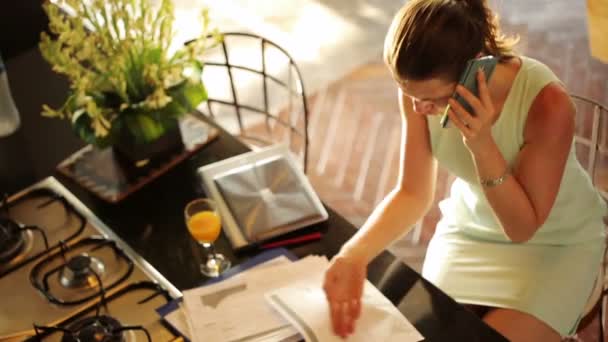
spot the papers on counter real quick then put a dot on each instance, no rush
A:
(173, 312)
(307, 309)
(235, 309)
(178, 318)
(283, 301)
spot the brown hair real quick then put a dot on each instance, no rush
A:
(435, 38)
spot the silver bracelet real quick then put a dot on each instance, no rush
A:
(488, 183)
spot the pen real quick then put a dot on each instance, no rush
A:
(292, 241)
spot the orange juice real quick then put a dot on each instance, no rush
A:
(204, 226)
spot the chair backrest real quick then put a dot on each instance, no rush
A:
(256, 92)
(591, 136)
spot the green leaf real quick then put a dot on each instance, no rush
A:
(198, 67)
(188, 95)
(173, 110)
(82, 127)
(152, 56)
(195, 93)
(144, 128)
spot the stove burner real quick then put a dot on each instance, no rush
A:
(81, 271)
(11, 239)
(95, 329)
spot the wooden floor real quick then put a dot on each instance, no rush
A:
(355, 125)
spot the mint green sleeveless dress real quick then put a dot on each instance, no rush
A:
(469, 257)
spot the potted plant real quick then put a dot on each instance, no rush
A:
(127, 88)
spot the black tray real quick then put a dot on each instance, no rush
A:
(106, 175)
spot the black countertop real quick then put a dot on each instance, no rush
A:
(151, 220)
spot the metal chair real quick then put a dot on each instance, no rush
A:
(256, 92)
(591, 138)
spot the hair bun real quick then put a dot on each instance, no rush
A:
(474, 4)
(478, 8)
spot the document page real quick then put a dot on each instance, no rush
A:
(235, 309)
(305, 306)
(177, 319)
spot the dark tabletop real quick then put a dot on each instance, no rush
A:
(151, 220)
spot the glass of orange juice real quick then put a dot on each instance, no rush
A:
(204, 224)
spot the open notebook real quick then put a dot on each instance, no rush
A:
(261, 194)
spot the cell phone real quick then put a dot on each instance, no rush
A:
(468, 79)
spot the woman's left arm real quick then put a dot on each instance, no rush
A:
(522, 197)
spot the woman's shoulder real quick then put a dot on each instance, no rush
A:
(536, 82)
(552, 111)
(531, 61)
(546, 88)
(537, 70)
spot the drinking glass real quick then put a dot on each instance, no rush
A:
(9, 116)
(204, 224)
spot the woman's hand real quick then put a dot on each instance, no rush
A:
(476, 129)
(343, 286)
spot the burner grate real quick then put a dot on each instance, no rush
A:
(100, 328)
(81, 272)
(21, 243)
(12, 239)
(97, 324)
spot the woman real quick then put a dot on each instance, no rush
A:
(521, 235)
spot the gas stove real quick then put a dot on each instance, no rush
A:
(65, 276)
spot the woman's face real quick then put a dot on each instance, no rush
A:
(430, 96)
